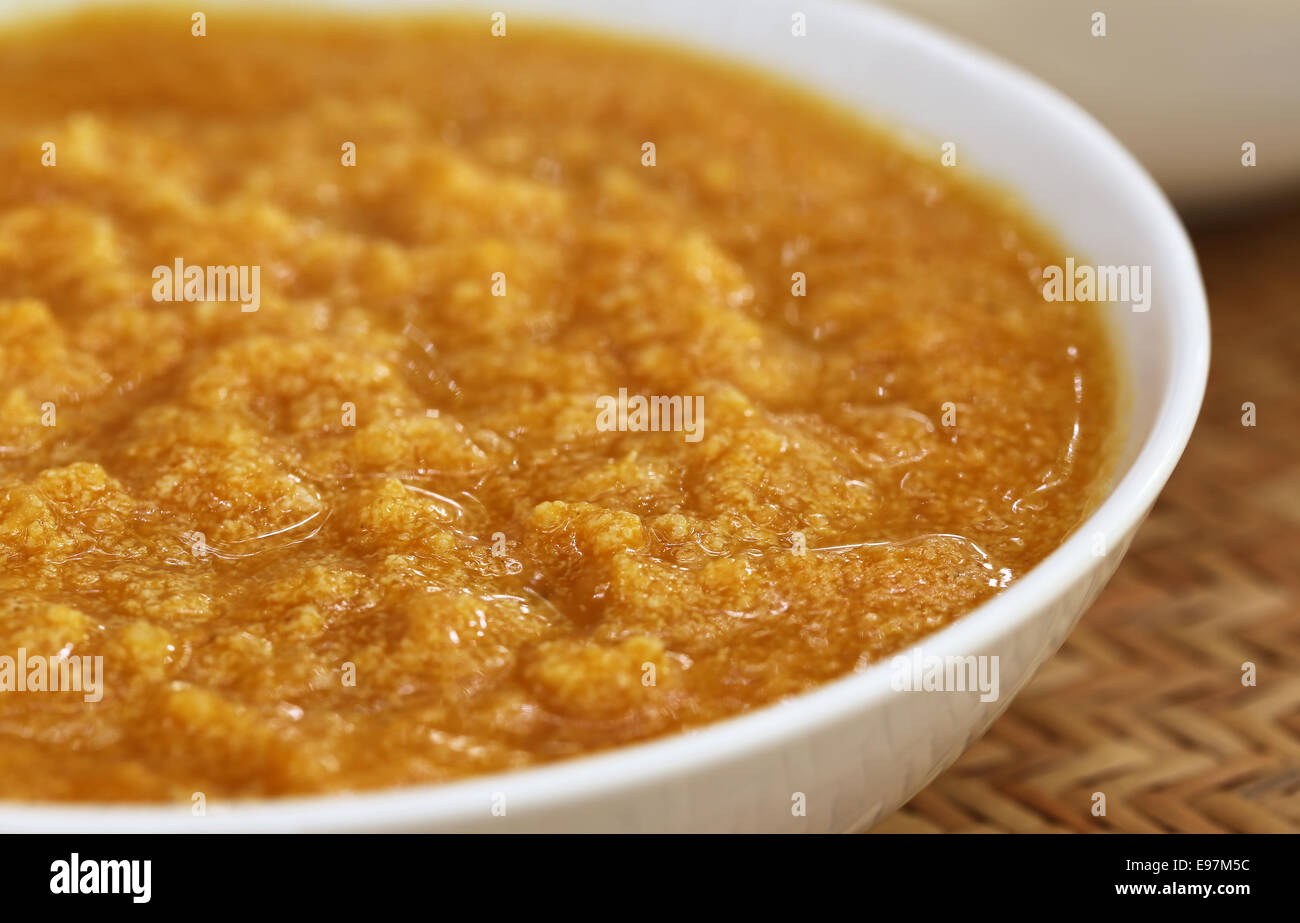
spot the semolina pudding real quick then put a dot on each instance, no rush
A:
(386, 402)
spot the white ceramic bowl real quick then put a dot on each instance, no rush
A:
(855, 748)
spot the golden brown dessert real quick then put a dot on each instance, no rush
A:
(379, 530)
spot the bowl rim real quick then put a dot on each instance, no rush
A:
(674, 756)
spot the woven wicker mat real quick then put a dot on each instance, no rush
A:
(1145, 701)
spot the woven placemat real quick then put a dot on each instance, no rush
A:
(1145, 701)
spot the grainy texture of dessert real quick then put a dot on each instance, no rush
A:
(499, 573)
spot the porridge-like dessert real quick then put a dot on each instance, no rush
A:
(383, 402)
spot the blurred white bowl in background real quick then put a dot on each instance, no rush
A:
(1183, 83)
